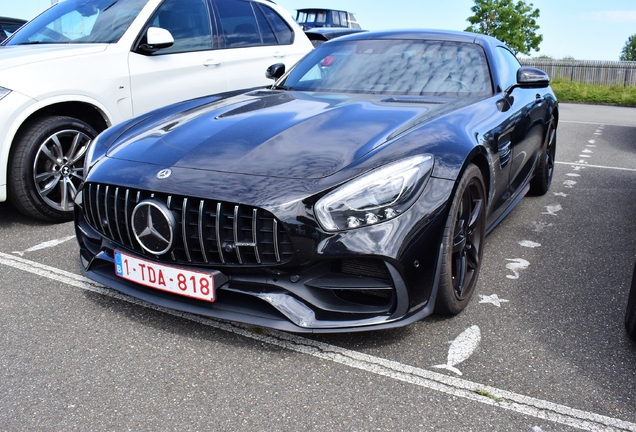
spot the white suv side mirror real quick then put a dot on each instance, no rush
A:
(156, 38)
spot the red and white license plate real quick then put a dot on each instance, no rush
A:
(195, 284)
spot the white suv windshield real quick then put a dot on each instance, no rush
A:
(80, 21)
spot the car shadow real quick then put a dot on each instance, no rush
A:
(183, 327)
(9, 217)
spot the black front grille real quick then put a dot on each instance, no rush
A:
(207, 232)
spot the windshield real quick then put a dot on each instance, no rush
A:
(398, 67)
(80, 21)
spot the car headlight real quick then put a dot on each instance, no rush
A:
(377, 196)
(4, 92)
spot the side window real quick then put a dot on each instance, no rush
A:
(353, 23)
(267, 33)
(188, 21)
(509, 65)
(335, 18)
(344, 19)
(238, 23)
(284, 34)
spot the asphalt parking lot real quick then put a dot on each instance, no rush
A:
(541, 347)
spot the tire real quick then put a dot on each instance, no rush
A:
(47, 166)
(630, 313)
(462, 244)
(540, 183)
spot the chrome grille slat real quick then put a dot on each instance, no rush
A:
(126, 218)
(90, 206)
(184, 228)
(236, 241)
(201, 243)
(212, 232)
(275, 238)
(218, 232)
(121, 239)
(254, 220)
(169, 205)
(106, 195)
(99, 215)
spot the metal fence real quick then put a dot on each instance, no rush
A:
(590, 72)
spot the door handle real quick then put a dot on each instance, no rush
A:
(279, 54)
(212, 62)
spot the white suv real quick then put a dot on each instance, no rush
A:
(84, 65)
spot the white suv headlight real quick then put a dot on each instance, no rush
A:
(375, 197)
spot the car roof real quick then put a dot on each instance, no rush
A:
(426, 34)
(319, 10)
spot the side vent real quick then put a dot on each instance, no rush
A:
(504, 153)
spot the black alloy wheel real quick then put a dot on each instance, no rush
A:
(542, 179)
(463, 244)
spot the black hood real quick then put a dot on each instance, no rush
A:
(273, 134)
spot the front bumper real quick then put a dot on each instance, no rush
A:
(369, 278)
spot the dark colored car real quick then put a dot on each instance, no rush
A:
(315, 17)
(320, 35)
(630, 313)
(8, 26)
(353, 194)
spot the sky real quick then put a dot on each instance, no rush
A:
(582, 29)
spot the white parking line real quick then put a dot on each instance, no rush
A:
(597, 166)
(48, 244)
(435, 381)
(597, 123)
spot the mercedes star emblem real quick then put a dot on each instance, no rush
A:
(153, 226)
(164, 174)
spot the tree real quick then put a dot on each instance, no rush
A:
(629, 50)
(513, 23)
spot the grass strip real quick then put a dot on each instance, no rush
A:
(569, 91)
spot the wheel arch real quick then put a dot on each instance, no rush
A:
(479, 158)
(555, 113)
(85, 110)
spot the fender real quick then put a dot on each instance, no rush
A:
(31, 107)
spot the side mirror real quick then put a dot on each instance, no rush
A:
(528, 77)
(156, 39)
(275, 71)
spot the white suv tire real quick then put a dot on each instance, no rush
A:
(47, 166)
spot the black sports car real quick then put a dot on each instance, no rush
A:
(9, 25)
(353, 194)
